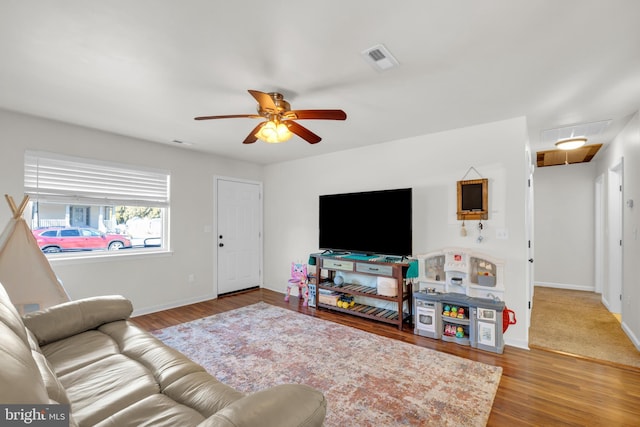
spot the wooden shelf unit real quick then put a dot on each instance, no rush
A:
(378, 267)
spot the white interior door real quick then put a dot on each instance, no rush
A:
(238, 234)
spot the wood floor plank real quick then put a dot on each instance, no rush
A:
(538, 388)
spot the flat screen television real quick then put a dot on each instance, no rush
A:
(372, 222)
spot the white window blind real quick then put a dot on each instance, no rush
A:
(56, 178)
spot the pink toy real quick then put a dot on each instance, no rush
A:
(299, 278)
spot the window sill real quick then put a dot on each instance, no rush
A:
(121, 255)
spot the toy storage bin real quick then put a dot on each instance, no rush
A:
(387, 286)
(487, 281)
(330, 299)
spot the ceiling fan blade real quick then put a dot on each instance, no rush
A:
(251, 138)
(265, 101)
(231, 116)
(316, 114)
(303, 132)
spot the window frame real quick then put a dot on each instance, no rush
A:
(68, 180)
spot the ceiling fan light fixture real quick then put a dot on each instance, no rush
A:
(571, 143)
(281, 121)
(274, 132)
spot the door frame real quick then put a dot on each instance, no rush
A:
(600, 238)
(530, 237)
(612, 299)
(216, 179)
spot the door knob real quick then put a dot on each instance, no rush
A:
(220, 236)
(221, 244)
(530, 259)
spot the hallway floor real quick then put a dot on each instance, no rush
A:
(577, 323)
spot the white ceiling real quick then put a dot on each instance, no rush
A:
(146, 68)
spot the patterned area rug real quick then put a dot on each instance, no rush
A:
(368, 380)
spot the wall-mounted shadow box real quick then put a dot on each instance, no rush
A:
(473, 199)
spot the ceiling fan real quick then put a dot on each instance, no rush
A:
(281, 120)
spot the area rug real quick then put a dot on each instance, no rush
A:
(576, 322)
(368, 380)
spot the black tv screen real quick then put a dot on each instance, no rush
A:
(373, 222)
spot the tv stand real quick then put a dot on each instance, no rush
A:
(368, 300)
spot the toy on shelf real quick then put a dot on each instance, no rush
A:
(346, 301)
(453, 331)
(300, 279)
(446, 311)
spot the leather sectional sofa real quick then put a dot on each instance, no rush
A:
(86, 354)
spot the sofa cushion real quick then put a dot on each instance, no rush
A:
(33, 341)
(203, 392)
(178, 376)
(107, 386)
(74, 317)
(166, 363)
(10, 316)
(55, 390)
(80, 350)
(20, 380)
(154, 411)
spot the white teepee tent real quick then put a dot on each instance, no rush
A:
(25, 271)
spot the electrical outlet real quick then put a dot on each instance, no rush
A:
(502, 233)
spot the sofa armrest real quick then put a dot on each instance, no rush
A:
(286, 405)
(73, 317)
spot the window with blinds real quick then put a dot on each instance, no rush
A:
(79, 205)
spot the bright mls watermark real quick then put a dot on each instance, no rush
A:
(34, 415)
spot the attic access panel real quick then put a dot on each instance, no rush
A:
(583, 154)
(473, 198)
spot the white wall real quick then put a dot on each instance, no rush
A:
(152, 282)
(626, 146)
(564, 226)
(431, 165)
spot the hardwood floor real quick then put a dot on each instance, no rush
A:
(537, 388)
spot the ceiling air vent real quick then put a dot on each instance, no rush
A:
(380, 58)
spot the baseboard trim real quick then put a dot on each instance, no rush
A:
(174, 304)
(517, 343)
(566, 286)
(631, 335)
(294, 290)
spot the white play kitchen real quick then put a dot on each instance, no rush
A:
(459, 297)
